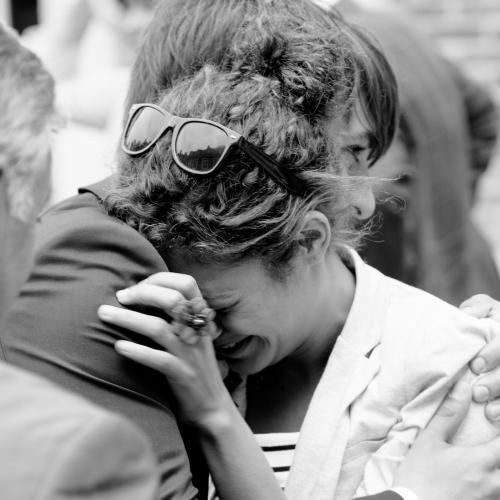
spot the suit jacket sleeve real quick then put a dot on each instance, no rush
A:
(82, 259)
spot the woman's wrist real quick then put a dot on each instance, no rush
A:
(220, 421)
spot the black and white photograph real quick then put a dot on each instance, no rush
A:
(250, 249)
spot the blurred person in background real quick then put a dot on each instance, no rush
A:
(446, 137)
(20, 14)
(89, 47)
(58, 445)
(53, 444)
(27, 121)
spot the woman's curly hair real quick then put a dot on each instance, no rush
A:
(185, 35)
(284, 80)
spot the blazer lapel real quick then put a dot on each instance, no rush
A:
(325, 431)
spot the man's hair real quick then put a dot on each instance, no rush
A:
(26, 121)
(185, 35)
(285, 76)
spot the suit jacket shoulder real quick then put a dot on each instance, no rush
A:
(82, 258)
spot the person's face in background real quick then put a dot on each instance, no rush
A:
(398, 170)
(393, 248)
(352, 138)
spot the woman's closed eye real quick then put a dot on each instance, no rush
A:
(223, 310)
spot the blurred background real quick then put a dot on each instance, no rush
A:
(89, 46)
(468, 32)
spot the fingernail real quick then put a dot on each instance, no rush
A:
(104, 312)
(478, 365)
(121, 346)
(481, 393)
(123, 295)
(494, 412)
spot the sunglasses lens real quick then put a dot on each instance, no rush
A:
(143, 129)
(200, 146)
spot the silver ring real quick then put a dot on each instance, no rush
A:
(196, 321)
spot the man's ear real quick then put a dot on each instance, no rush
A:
(315, 235)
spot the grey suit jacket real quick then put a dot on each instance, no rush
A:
(57, 446)
(82, 257)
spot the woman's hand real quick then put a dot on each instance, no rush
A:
(487, 388)
(435, 469)
(237, 465)
(185, 355)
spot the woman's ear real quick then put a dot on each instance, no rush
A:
(315, 235)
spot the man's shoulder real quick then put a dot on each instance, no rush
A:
(83, 257)
(55, 443)
(79, 232)
(83, 214)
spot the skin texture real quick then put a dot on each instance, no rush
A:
(275, 320)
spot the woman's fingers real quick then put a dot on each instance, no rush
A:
(164, 362)
(149, 294)
(183, 283)
(152, 327)
(187, 334)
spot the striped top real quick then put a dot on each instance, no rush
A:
(278, 448)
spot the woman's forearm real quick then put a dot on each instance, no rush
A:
(238, 467)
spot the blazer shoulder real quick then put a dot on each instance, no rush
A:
(427, 341)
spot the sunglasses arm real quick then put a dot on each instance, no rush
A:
(275, 170)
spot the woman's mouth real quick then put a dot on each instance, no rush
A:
(229, 350)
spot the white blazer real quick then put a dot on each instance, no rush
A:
(400, 351)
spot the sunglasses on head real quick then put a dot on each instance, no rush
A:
(198, 146)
